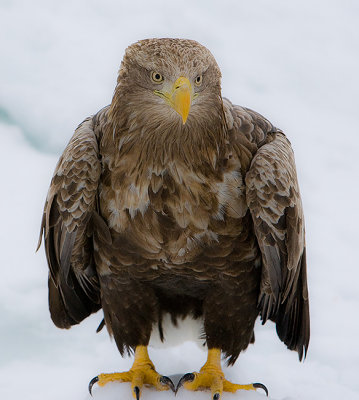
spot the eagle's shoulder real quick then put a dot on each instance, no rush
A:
(247, 132)
(100, 122)
(242, 122)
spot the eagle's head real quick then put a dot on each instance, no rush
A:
(172, 83)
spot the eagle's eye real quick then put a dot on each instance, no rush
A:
(198, 80)
(156, 77)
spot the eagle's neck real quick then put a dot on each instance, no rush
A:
(155, 144)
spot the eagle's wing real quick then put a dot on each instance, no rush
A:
(274, 201)
(67, 227)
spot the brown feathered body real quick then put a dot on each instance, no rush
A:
(146, 215)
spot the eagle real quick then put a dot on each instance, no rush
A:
(174, 201)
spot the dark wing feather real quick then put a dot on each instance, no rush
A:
(67, 228)
(274, 201)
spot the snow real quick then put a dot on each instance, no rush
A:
(295, 62)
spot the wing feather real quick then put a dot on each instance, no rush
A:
(67, 229)
(274, 201)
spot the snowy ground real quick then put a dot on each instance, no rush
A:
(295, 62)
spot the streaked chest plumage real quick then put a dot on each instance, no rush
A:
(172, 213)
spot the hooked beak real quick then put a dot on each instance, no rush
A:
(180, 97)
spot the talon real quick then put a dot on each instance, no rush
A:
(260, 386)
(141, 373)
(92, 382)
(185, 378)
(165, 380)
(136, 389)
(211, 377)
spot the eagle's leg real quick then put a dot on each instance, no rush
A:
(141, 373)
(212, 377)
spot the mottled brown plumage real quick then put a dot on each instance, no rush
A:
(147, 215)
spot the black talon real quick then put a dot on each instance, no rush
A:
(136, 389)
(92, 382)
(216, 396)
(185, 378)
(260, 386)
(165, 380)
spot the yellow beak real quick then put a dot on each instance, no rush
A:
(181, 97)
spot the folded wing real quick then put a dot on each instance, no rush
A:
(67, 228)
(274, 201)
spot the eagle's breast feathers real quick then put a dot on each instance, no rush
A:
(174, 213)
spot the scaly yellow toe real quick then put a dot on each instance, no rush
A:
(141, 373)
(211, 377)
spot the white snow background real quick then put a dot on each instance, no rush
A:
(296, 62)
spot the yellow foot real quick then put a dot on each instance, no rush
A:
(211, 377)
(141, 373)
